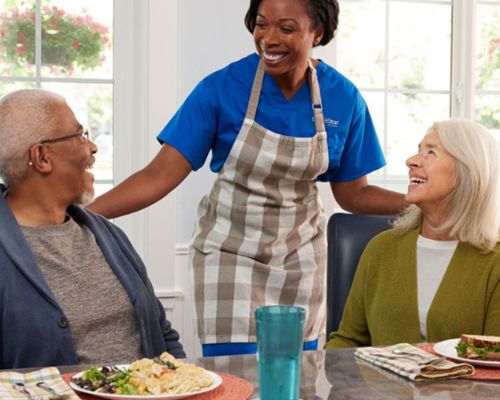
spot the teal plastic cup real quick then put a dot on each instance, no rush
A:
(280, 336)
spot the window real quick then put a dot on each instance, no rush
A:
(64, 46)
(487, 64)
(411, 61)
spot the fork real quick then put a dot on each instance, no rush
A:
(422, 357)
(54, 394)
(419, 359)
(21, 388)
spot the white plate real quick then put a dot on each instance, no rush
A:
(217, 382)
(447, 348)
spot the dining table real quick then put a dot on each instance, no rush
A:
(337, 374)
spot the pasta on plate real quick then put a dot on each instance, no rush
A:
(150, 377)
(163, 375)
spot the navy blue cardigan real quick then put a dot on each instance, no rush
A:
(33, 328)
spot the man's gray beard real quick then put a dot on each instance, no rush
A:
(84, 199)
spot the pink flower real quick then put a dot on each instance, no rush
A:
(54, 71)
(21, 36)
(79, 21)
(104, 40)
(21, 50)
(88, 19)
(95, 27)
(53, 22)
(76, 43)
(494, 42)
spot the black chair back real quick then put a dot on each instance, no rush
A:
(348, 234)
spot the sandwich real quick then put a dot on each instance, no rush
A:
(479, 347)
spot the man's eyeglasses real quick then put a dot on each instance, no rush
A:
(83, 135)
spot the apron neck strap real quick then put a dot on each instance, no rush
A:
(319, 120)
(256, 88)
(315, 96)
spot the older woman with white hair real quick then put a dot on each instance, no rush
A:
(436, 274)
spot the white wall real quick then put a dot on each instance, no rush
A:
(208, 39)
(145, 97)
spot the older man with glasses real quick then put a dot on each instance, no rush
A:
(72, 288)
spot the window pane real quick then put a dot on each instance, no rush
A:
(487, 105)
(488, 47)
(401, 187)
(76, 38)
(7, 87)
(100, 188)
(375, 102)
(361, 40)
(409, 116)
(488, 112)
(420, 45)
(17, 38)
(93, 107)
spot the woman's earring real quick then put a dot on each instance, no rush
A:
(30, 163)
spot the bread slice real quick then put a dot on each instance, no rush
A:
(479, 347)
(480, 340)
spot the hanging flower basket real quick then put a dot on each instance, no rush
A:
(55, 56)
(68, 41)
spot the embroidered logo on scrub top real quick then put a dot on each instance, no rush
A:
(333, 123)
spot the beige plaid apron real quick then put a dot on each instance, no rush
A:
(260, 235)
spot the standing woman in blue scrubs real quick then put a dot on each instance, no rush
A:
(276, 122)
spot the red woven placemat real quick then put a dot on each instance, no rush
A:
(231, 388)
(479, 372)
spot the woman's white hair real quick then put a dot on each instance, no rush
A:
(473, 212)
(26, 117)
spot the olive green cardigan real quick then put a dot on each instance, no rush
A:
(382, 306)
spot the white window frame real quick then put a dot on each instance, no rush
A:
(463, 87)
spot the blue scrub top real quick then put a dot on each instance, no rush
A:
(212, 115)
